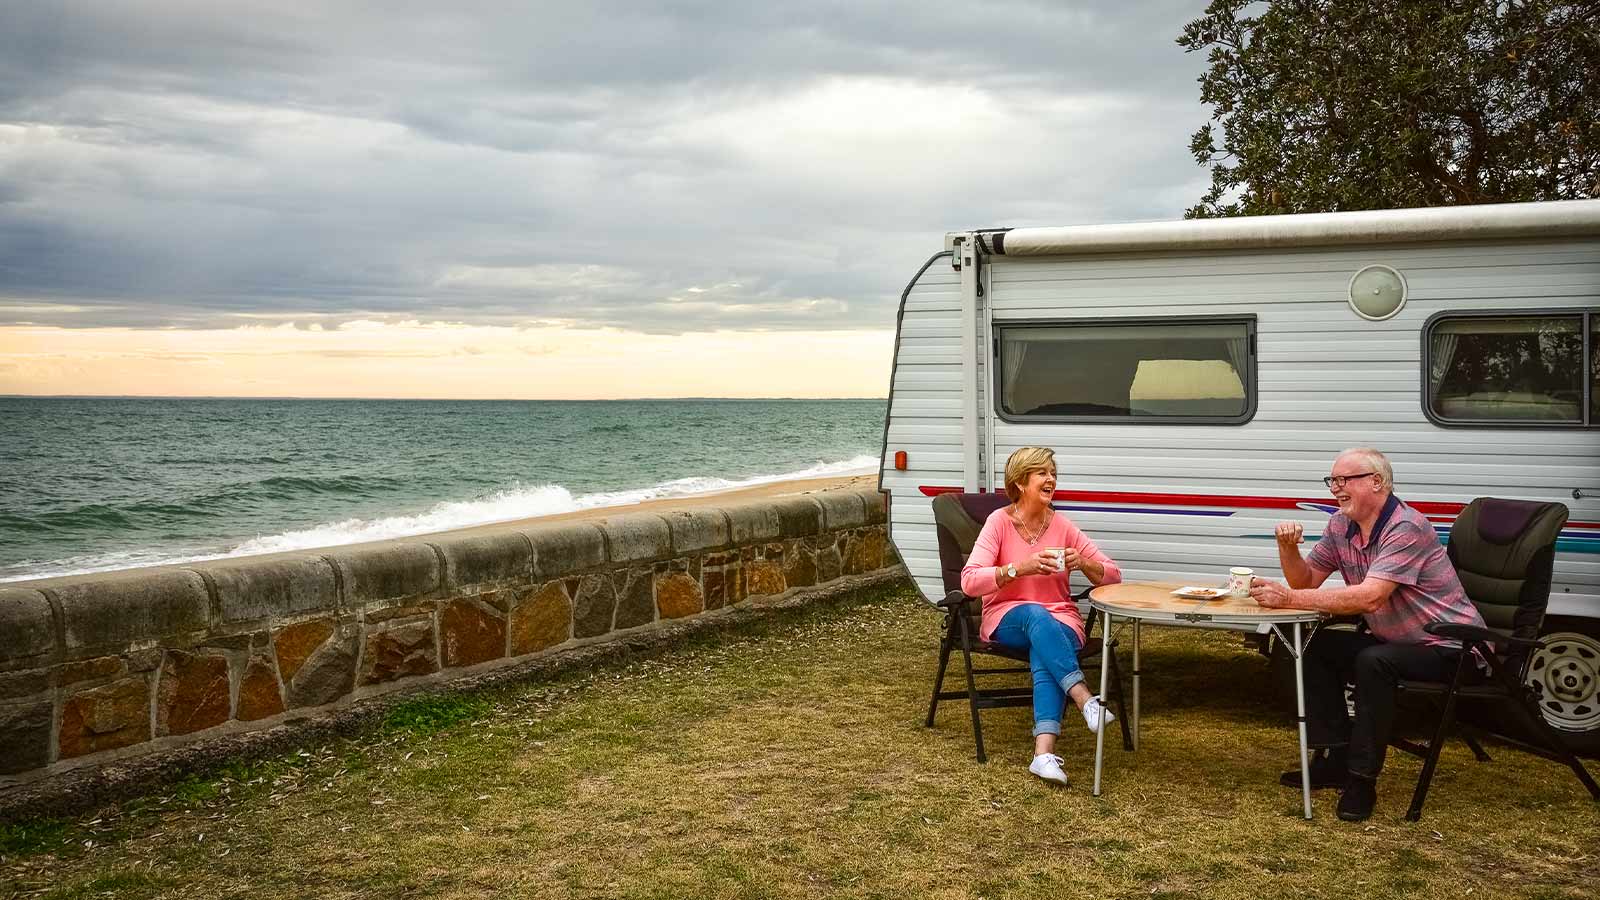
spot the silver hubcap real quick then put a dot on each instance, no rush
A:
(1565, 676)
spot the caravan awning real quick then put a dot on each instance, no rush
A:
(1559, 218)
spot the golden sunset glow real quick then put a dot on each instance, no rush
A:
(411, 359)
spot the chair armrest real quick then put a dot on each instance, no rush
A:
(1083, 594)
(955, 599)
(1474, 633)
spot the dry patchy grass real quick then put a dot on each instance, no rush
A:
(787, 759)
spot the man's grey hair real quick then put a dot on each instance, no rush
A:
(1375, 461)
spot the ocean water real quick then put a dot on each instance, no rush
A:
(89, 484)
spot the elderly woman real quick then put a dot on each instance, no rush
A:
(1027, 596)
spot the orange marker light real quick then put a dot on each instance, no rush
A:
(900, 460)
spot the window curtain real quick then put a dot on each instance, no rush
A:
(1237, 357)
(1444, 351)
(1015, 352)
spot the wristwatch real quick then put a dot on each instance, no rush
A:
(1011, 570)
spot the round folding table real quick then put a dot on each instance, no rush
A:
(1154, 602)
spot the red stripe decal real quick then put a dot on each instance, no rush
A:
(1436, 511)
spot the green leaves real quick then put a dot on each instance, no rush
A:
(1321, 105)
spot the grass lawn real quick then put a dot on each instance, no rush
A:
(788, 759)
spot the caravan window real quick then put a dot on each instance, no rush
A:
(1511, 369)
(1164, 370)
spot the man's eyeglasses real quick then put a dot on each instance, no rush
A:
(1335, 482)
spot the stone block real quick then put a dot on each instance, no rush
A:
(696, 529)
(30, 632)
(105, 718)
(109, 612)
(541, 619)
(145, 660)
(391, 571)
(17, 685)
(594, 606)
(251, 589)
(471, 633)
(294, 644)
(98, 669)
(327, 674)
(799, 565)
(636, 603)
(194, 693)
(259, 694)
(798, 516)
(635, 538)
(842, 509)
(752, 522)
(232, 643)
(488, 558)
(379, 614)
(24, 736)
(566, 548)
(877, 506)
(714, 582)
(400, 651)
(678, 596)
(872, 548)
(830, 564)
(763, 578)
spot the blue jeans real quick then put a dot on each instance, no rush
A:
(1052, 655)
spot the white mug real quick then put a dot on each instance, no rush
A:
(1060, 554)
(1239, 582)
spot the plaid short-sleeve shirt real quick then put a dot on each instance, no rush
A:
(1404, 550)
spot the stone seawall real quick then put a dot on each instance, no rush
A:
(97, 668)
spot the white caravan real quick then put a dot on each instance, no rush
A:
(1197, 378)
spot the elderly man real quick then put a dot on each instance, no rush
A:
(1398, 579)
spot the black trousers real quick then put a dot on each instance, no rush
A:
(1335, 658)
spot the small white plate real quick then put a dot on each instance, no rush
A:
(1200, 593)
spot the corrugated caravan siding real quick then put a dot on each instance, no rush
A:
(1326, 380)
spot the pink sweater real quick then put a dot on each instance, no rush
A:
(999, 543)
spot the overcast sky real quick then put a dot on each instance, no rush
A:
(545, 169)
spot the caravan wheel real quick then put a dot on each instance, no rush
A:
(1565, 677)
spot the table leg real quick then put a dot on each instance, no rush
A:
(1134, 729)
(1100, 733)
(1300, 710)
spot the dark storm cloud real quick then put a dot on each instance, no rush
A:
(717, 165)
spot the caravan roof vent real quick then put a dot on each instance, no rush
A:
(1377, 292)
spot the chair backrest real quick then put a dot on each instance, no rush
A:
(957, 520)
(1504, 552)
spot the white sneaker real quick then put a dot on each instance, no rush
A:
(1048, 767)
(1092, 712)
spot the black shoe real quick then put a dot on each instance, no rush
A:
(1357, 799)
(1327, 771)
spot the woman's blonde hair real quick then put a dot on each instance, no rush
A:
(1025, 462)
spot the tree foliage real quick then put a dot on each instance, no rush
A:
(1323, 105)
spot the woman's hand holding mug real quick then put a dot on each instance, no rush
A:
(1040, 563)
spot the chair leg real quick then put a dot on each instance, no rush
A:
(938, 680)
(972, 689)
(1522, 700)
(1122, 707)
(1477, 749)
(1437, 744)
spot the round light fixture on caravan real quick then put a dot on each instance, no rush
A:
(1377, 292)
